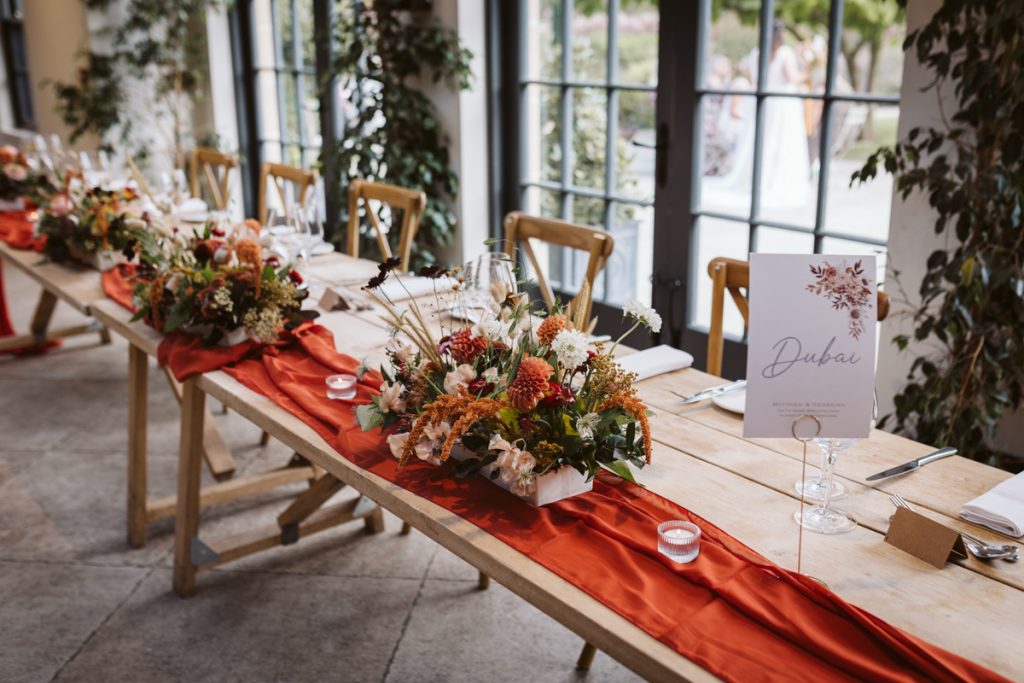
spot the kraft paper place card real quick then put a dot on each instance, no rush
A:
(811, 344)
(333, 301)
(924, 538)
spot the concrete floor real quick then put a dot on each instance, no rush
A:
(77, 604)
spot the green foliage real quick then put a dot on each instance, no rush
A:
(971, 170)
(160, 42)
(394, 135)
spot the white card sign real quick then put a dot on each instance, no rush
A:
(811, 345)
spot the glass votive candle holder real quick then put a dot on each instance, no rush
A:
(342, 387)
(679, 540)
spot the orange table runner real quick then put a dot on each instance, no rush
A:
(17, 230)
(732, 611)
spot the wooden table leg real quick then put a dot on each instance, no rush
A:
(218, 456)
(586, 657)
(41, 317)
(138, 377)
(186, 521)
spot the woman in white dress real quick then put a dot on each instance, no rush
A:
(785, 170)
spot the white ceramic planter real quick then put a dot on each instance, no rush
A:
(230, 338)
(12, 204)
(551, 487)
(107, 259)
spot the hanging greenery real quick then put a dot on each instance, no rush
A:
(387, 50)
(161, 45)
(971, 170)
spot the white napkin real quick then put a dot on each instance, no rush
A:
(413, 287)
(192, 210)
(1001, 509)
(655, 361)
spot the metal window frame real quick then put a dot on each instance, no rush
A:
(562, 270)
(828, 96)
(12, 30)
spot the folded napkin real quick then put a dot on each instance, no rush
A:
(394, 289)
(655, 361)
(1001, 509)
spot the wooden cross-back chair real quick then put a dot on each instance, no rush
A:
(732, 276)
(301, 179)
(599, 244)
(214, 167)
(412, 203)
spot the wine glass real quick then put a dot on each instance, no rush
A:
(823, 518)
(489, 280)
(813, 488)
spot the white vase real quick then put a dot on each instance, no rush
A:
(12, 204)
(107, 259)
(565, 482)
(229, 338)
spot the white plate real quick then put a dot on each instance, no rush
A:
(321, 248)
(734, 401)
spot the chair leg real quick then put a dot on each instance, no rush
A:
(483, 581)
(586, 657)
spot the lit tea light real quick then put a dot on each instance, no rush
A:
(679, 540)
(341, 387)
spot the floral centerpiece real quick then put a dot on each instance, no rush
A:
(517, 397)
(95, 226)
(221, 288)
(18, 180)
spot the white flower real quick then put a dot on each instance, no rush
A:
(15, 171)
(643, 314)
(586, 425)
(459, 378)
(396, 442)
(391, 400)
(222, 299)
(515, 465)
(433, 438)
(491, 330)
(401, 352)
(571, 348)
(490, 375)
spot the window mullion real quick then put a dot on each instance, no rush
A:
(765, 41)
(282, 123)
(835, 26)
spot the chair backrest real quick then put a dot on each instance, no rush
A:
(731, 275)
(215, 167)
(279, 174)
(599, 244)
(412, 203)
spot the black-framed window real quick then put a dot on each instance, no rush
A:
(12, 32)
(586, 82)
(784, 95)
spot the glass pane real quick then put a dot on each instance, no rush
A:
(284, 30)
(731, 57)
(570, 265)
(311, 111)
(713, 238)
(833, 245)
(634, 174)
(727, 153)
(627, 275)
(588, 211)
(638, 43)
(799, 49)
(542, 39)
(263, 26)
(858, 129)
(590, 41)
(878, 30)
(789, 191)
(779, 241)
(541, 130)
(540, 202)
(306, 32)
(290, 106)
(590, 117)
(266, 88)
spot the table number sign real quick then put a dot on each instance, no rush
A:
(811, 346)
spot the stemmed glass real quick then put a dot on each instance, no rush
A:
(813, 488)
(823, 518)
(489, 280)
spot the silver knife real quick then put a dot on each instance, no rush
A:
(712, 392)
(914, 464)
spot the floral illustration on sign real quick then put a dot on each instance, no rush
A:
(846, 288)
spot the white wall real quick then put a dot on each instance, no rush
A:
(912, 237)
(464, 117)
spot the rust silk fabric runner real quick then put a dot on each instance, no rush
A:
(16, 229)
(119, 283)
(732, 611)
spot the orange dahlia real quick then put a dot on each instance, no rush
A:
(549, 329)
(249, 251)
(465, 347)
(530, 383)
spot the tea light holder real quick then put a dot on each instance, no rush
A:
(679, 540)
(341, 387)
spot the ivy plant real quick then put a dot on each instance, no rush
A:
(386, 49)
(970, 169)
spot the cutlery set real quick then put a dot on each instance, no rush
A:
(975, 546)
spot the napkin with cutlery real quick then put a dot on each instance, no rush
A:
(1000, 509)
(655, 361)
(413, 287)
